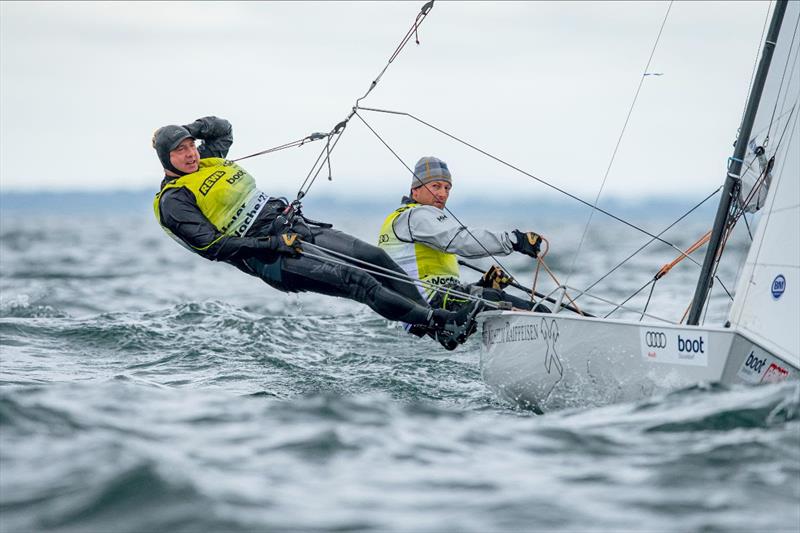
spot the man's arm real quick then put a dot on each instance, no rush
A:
(216, 134)
(180, 214)
(434, 227)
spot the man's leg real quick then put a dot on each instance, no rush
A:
(352, 247)
(345, 281)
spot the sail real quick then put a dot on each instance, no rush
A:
(766, 308)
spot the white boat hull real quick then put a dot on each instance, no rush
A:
(555, 361)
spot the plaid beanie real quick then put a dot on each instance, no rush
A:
(430, 169)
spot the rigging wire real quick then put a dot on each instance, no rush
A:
(783, 77)
(378, 270)
(791, 52)
(616, 147)
(755, 61)
(540, 261)
(648, 243)
(528, 174)
(739, 212)
(794, 63)
(339, 128)
(412, 31)
(463, 226)
(647, 303)
(326, 150)
(761, 181)
(626, 300)
(299, 142)
(653, 237)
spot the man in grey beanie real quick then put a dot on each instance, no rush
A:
(425, 242)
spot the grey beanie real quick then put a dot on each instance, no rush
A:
(430, 169)
(165, 140)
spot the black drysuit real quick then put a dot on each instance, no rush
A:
(180, 214)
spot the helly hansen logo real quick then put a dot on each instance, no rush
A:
(441, 218)
(210, 181)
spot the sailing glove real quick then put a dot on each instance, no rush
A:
(495, 278)
(210, 127)
(528, 243)
(283, 244)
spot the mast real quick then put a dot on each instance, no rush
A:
(735, 166)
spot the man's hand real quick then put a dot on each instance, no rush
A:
(284, 243)
(528, 243)
(495, 278)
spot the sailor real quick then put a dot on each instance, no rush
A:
(212, 207)
(425, 241)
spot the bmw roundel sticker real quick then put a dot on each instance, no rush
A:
(778, 286)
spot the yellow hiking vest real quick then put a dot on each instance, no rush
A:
(419, 260)
(225, 193)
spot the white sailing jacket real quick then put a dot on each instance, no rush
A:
(430, 225)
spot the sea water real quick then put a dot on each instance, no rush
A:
(143, 388)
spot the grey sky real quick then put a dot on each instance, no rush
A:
(546, 86)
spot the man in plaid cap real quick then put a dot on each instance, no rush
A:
(421, 238)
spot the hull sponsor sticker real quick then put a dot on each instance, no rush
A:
(543, 335)
(673, 346)
(760, 367)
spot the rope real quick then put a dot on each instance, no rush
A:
(647, 303)
(463, 226)
(626, 300)
(619, 306)
(390, 274)
(523, 172)
(412, 31)
(326, 150)
(666, 268)
(339, 128)
(300, 142)
(653, 237)
(616, 147)
(645, 245)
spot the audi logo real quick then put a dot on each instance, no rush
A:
(655, 339)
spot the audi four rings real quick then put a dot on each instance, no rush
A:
(655, 339)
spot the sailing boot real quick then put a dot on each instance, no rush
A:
(452, 328)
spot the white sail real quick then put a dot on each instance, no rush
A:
(766, 308)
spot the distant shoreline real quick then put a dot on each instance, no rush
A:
(131, 202)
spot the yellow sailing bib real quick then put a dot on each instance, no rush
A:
(225, 193)
(419, 260)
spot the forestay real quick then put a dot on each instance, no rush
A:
(767, 303)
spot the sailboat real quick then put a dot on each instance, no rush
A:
(552, 361)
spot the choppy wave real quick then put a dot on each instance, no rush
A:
(153, 391)
(208, 459)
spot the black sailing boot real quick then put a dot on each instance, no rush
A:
(452, 328)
